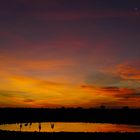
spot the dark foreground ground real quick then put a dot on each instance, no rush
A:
(4, 135)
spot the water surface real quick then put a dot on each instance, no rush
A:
(70, 127)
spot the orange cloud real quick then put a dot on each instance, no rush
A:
(115, 92)
(112, 96)
(128, 72)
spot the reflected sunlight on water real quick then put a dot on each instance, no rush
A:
(70, 127)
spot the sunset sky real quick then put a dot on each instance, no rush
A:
(69, 53)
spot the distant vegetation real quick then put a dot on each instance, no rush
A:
(124, 115)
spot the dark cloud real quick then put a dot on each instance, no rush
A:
(130, 95)
(116, 92)
(87, 86)
(29, 100)
(124, 93)
(111, 89)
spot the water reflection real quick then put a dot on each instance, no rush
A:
(52, 125)
(39, 127)
(26, 124)
(70, 127)
(30, 124)
(20, 126)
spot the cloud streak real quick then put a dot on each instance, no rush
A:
(129, 72)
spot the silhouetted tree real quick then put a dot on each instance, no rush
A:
(125, 107)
